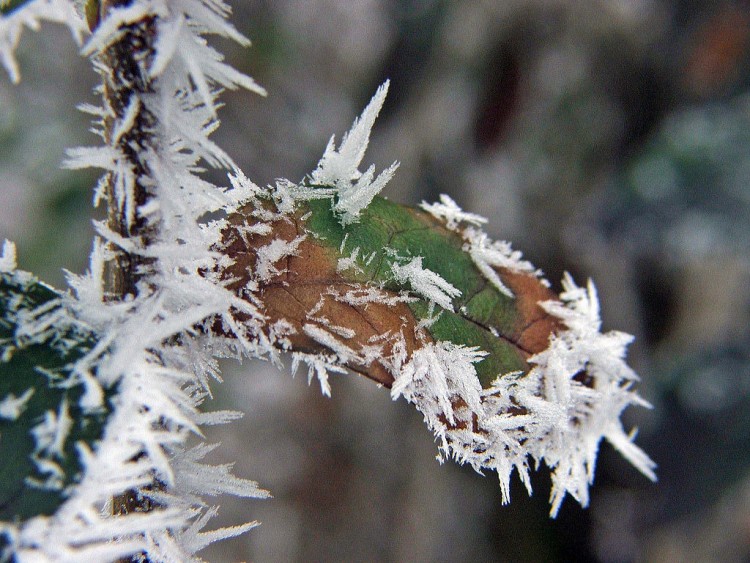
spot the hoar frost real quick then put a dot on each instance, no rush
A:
(157, 348)
(340, 167)
(150, 348)
(548, 415)
(556, 412)
(11, 406)
(425, 283)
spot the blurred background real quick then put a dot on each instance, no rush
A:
(608, 138)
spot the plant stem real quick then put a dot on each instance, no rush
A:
(126, 84)
(126, 81)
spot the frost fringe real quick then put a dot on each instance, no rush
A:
(151, 348)
(556, 414)
(552, 415)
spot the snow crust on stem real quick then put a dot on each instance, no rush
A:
(153, 353)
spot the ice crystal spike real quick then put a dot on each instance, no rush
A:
(507, 374)
(339, 168)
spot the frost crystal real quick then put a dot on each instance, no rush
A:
(485, 253)
(435, 376)
(557, 413)
(349, 262)
(8, 258)
(488, 255)
(449, 211)
(150, 350)
(319, 366)
(340, 167)
(425, 282)
(272, 253)
(11, 406)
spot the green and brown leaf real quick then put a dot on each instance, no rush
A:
(341, 279)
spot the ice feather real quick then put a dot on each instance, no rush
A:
(340, 167)
(149, 348)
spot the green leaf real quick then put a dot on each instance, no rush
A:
(42, 421)
(91, 11)
(386, 236)
(388, 233)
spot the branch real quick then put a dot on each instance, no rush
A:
(507, 374)
(143, 296)
(128, 129)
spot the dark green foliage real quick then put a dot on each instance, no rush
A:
(38, 467)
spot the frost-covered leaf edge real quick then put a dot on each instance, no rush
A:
(50, 407)
(556, 414)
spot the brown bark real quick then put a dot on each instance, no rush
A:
(126, 80)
